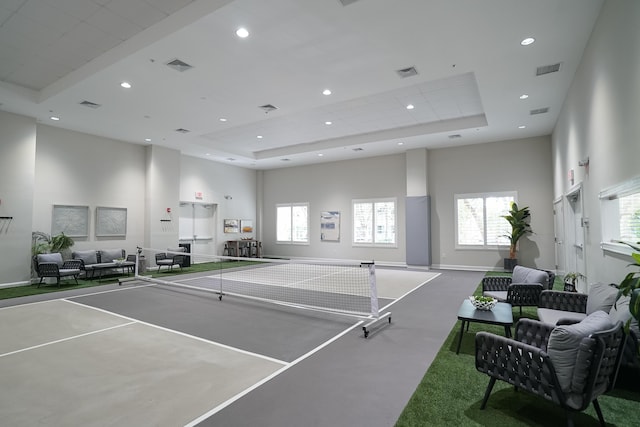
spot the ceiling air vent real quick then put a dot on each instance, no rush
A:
(407, 72)
(539, 111)
(546, 69)
(267, 108)
(358, 149)
(182, 130)
(347, 2)
(90, 104)
(455, 136)
(178, 65)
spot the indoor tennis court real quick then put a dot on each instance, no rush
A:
(154, 354)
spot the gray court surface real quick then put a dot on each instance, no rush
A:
(138, 355)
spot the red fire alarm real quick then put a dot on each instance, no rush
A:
(168, 210)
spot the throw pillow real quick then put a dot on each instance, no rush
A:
(54, 257)
(529, 275)
(108, 255)
(601, 297)
(88, 257)
(564, 345)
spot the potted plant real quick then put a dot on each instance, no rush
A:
(630, 285)
(571, 280)
(518, 219)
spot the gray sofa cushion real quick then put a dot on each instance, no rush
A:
(620, 310)
(55, 257)
(530, 275)
(108, 255)
(601, 297)
(551, 316)
(564, 346)
(88, 257)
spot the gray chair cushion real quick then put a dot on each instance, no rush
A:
(620, 310)
(88, 257)
(55, 257)
(601, 297)
(529, 275)
(564, 346)
(180, 249)
(551, 316)
(108, 255)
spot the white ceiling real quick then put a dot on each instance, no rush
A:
(55, 54)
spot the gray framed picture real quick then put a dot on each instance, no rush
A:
(111, 222)
(70, 220)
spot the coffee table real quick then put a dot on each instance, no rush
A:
(500, 315)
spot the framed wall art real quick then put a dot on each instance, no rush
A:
(70, 220)
(330, 226)
(231, 226)
(111, 222)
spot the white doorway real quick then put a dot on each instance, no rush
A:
(197, 228)
(558, 218)
(575, 235)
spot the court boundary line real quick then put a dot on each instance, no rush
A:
(409, 292)
(268, 378)
(184, 334)
(73, 337)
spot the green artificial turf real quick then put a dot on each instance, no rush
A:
(68, 284)
(452, 389)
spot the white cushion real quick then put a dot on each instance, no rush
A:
(564, 345)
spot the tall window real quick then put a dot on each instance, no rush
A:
(374, 222)
(479, 223)
(292, 223)
(621, 216)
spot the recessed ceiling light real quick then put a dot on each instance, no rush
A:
(326, 92)
(222, 119)
(242, 32)
(259, 136)
(328, 123)
(527, 41)
(54, 118)
(521, 127)
(147, 139)
(524, 96)
(400, 143)
(320, 154)
(126, 85)
(410, 107)
(207, 154)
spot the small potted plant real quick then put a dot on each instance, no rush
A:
(518, 219)
(571, 280)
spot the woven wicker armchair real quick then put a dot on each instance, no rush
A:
(526, 292)
(52, 265)
(525, 363)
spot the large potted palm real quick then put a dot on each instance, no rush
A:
(518, 218)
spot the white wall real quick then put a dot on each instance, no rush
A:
(518, 165)
(331, 187)
(599, 120)
(17, 165)
(74, 168)
(215, 181)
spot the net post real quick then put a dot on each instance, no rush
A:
(375, 310)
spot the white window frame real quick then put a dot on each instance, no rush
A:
(484, 197)
(610, 215)
(292, 241)
(373, 242)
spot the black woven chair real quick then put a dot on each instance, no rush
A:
(517, 294)
(525, 363)
(69, 268)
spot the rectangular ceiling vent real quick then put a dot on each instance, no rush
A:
(358, 149)
(539, 111)
(547, 69)
(347, 2)
(455, 136)
(90, 104)
(407, 72)
(182, 130)
(267, 108)
(179, 65)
